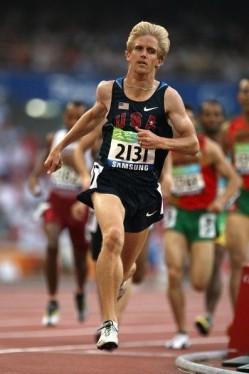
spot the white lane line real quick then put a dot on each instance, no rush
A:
(194, 341)
(90, 348)
(45, 349)
(133, 354)
(84, 331)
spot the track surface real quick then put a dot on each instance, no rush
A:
(69, 348)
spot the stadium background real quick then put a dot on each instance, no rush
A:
(52, 52)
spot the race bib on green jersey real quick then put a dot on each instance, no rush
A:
(126, 153)
(187, 180)
(241, 157)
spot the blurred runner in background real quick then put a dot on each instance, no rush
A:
(190, 223)
(56, 214)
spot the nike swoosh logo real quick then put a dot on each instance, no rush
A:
(147, 109)
(150, 214)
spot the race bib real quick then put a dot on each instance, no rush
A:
(126, 153)
(241, 157)
(170, 216)
(187, 180)
(207, 226)
(66, 178)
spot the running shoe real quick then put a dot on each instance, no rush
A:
(122, 290)
(179, 341)
(97, 336)
(81, 307)
(203, 324)
(109, 336)
(52, 315)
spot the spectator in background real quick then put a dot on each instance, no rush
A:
(56, 213)
(17, 152)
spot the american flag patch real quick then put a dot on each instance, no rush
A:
(124, 106)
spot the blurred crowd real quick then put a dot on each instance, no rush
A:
(18, 153)
(43, 37)
(82, 37)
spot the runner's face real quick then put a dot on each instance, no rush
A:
(72, 115)
(143, 58)
(243, 95)
(211, 117)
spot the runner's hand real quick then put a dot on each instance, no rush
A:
(53, 161)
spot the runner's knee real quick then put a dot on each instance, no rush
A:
(174, 277)
(199, 284)
(113, 240)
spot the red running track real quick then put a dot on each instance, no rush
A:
(27, 347)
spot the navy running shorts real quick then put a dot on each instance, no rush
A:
(143, 204)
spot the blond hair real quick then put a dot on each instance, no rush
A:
(146, 28)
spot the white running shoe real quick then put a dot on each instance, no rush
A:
(109, 336)
(51, 316)
(179, 341)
